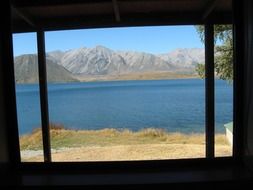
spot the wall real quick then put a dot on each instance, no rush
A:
(248, 82)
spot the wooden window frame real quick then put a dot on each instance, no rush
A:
(132, 165)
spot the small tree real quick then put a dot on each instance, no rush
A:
(200, 69)
(223, 61)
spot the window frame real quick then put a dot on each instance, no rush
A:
(133, 165)
(209, 106)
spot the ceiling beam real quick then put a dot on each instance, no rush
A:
(24, 17)
(41, 3)
(211, 4)
(104, 21)
(116, 10)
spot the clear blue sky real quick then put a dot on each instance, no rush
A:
(160, 39)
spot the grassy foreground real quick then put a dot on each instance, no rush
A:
(62, 138)
(112, 144)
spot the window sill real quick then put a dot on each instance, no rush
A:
(227, 175)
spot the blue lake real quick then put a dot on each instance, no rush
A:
(175, 105)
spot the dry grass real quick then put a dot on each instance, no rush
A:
(61, 138)
(113, 144)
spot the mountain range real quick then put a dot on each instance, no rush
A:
(102, 62)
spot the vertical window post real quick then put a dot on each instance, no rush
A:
(209, 77)
(8, 82)
(43, 95)
(239, 69)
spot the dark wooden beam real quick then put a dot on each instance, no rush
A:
(43, 95)
(24, 17)
(209, 8)
(44, 3)
(128, 166)
(7, 64)
(41, 3)
(238, 84)
(104, 21)
(209, 76)
(116, 10)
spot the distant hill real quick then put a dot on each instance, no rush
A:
(101, 62)
(185, 58)
(26, 70)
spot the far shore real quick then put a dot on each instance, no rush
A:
(162, 75)
(165, 75)
(112, 144)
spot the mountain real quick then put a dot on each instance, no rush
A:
(55, 56)
(26, 70)
(101, 61)
(93, 61)
(185, 58)
(144, 62)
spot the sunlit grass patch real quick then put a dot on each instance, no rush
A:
(62, 137)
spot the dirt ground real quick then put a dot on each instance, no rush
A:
(127, 152)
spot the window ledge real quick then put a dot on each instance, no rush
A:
(228, 175)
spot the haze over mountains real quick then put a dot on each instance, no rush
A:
(101, 62)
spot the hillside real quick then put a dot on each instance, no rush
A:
(26, 70)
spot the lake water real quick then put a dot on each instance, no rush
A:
(175, 105)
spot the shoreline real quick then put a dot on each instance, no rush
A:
(124, 129)
(125, 77)
(139, 77)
